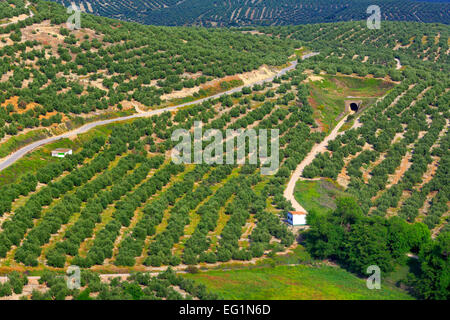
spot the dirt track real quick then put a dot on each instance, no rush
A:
(318, 148)
(19, 18)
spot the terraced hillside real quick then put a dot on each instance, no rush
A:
(260, 12)
(420, 47)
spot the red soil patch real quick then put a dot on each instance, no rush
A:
(14, 101)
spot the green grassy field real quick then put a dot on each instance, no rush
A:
(294, 283)
(318, 195)
(328, 95)
(344, 86)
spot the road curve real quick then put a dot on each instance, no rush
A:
(309, 55)
(399, 64)
(31, 15)
(318, 148)
(16, 155)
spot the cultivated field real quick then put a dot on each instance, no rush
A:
(374, 179)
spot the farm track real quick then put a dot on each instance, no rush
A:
(318, 148)
(13, 157)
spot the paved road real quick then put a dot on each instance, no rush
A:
(13, 157)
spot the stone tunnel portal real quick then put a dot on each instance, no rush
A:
(354, 107)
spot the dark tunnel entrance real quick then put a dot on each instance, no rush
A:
(354, 107)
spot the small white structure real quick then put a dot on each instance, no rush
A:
(296, 218)
(61, 152)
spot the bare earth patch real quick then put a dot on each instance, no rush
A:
(404, 165)
(139, 107)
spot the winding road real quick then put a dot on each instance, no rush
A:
(318, 148)
(16, 155)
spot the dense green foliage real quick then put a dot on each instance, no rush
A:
(14, 284)
(9, 9)
(358, 241)
(122, 205)
(434, 280)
